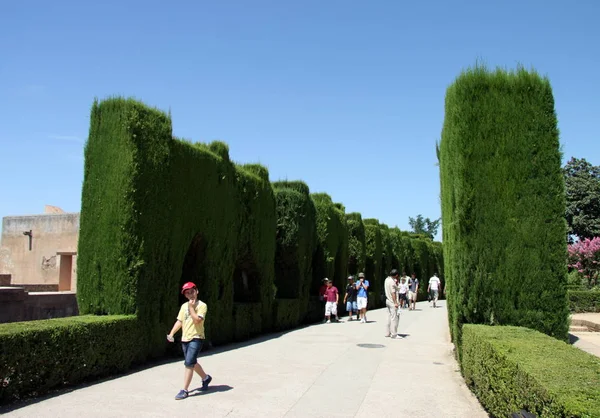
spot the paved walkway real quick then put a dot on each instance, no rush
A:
(316, 371)
(587, 341)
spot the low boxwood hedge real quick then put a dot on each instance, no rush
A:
(584, 301)
(513, 368)
(37, 356)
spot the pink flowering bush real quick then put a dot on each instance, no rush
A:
(584, 256)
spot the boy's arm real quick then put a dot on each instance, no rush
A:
(176, 327)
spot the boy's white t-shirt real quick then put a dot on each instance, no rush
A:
(402, 288)
(434, 283)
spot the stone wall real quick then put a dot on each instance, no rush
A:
(16, 304)
(36, 258)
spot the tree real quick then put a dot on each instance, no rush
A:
(584, 256)
(582, 184)
(425, 226)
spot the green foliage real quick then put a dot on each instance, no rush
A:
(503, 203)
(582, 184)
(373, 268)
(146, 226)
(41, 355)
(288, 313)
(356, 243)
(584, 300)
(387, 249)
(296, 240)
(513, 368)
(424, 226)
(331, 255)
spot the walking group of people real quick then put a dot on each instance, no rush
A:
(355, 298)
(400, 292)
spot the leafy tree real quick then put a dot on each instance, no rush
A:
(424, 226)
(582, 182)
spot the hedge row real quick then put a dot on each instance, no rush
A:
(584, 301)
(511, 369)
(40, 355)
(503, 203)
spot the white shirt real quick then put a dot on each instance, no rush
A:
(434, 283)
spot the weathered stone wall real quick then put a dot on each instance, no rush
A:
(51, 235)
(17, 305)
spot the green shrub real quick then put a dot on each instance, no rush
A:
(513, 368)
(331, 255)
(373, 269)
(503, 203)
(356, 243)
(288, 313)
(296, 239)
(41, 355)
(584, 300)
(147, 226)
(387, 249)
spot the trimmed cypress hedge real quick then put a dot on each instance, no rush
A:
(513, 368)
(157, 212)
(503, 203)
(584, 301)
(356, 243)
(373, 268)
(331, 255)
(387, 249)
(41, 355)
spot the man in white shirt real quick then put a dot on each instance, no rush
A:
(434, 288)
(391, 301)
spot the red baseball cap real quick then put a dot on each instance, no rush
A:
(188, 285)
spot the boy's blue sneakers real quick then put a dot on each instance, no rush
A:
(206, 382)
(181, 395)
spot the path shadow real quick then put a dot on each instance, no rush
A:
(403, 335)
(211, 389)
(573, 338)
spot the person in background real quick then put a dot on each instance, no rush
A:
(403, 292)
(434, 288)
(332, 299)
(413, 289)
(350, 299)
(362, 287)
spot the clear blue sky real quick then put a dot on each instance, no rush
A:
(345, 95)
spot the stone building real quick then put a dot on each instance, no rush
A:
(40, 251)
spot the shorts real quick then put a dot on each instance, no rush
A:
(412, 296)
(434, 294)
(191, 351)
(331, 308)
(361, 302)
(351, 306)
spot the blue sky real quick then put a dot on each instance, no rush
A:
(347, 96)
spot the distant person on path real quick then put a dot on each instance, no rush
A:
(350, 299)
(434, 288)
(391, 301)
(331, 301)
(413, 289)
(362, 286)
(191, 320)
(403, 292)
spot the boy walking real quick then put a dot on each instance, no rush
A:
(191, 320)
(332, 301)
(350, 299)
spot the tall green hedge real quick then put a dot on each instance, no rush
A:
(331, 254)
(157, 212)
(503, 202)
(356, 243)
(296, 246)
(373, 268)
(387, 249)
